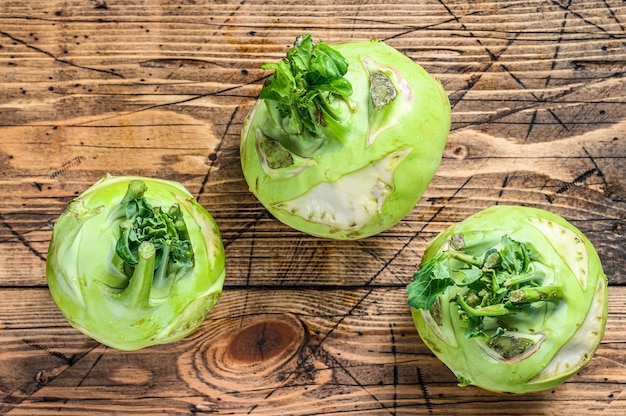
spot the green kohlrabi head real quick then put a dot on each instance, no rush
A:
(135, 262)
(344, 138)
(512, 299)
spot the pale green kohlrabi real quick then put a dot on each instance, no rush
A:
(512, 299)
(135, 262)
(344, 138)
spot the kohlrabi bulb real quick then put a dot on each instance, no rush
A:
(344, 140)
(135, 262)
(512, 299)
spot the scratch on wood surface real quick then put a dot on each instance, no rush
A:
(557, 49)
(316, 348)
(535, 126)
(580, 179)
(248, 274)
(539, 101)
(493, 57)
(178, 63)
(592, 159)
(56, 58)
(411, 29)
(394, 354)
(66, 166)
(528, 94)
(361, 385)
(215, 152)
(92, 366)
(22, 393)
(424, 386)
(368, 284)
(580, 16)
(21, 239)
(45, 348)
(245, 226)
(505, 183)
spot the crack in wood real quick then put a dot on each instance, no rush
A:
(66, 166)
(48, 350)
(24, 392)
(421, 380)
(216, 151)
(60, 60)
(21, 239)
(360, 301)
(395, 368)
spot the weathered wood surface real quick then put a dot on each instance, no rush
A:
(305, 326)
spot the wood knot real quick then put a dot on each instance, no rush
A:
(235, 359)
(460, 152)
(456, 151)
(262, 341)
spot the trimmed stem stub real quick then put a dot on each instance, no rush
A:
(382, 91)
(536, 294)
(137, 293)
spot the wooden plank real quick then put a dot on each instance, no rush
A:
(463, 186)
(278, 351)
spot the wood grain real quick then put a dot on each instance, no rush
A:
(305, 326)
(263, 351)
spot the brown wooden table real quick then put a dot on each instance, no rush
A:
(161, 88)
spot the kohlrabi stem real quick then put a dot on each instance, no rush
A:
(136, 189)
(534, 294)
(465, 258)
(137, 293)
(523, 278)
(161, 272)
(179, 223)
(491, 310)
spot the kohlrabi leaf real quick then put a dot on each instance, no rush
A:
(429, 282)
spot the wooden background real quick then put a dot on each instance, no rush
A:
(305, 326)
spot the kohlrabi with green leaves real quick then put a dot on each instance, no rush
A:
(512, 299)
(344, 138)
(135, 262)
